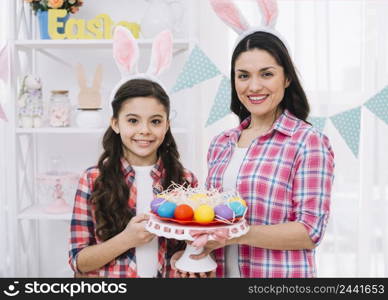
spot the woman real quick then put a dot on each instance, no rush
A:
(279, 163)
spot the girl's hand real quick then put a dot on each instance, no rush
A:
(184, 274)
(135, 232)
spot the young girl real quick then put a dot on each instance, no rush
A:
(140, 160)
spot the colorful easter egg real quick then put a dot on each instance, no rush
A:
(204, 214)
(223, 212)
(237, 207)
(184, 212)
(166, 210)
(197, 197)
(156, 203)
(238, 199)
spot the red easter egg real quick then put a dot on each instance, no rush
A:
(183, 212)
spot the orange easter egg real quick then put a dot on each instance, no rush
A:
(184, 212)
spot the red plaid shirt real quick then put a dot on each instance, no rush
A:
(83, 225)
(286, 176)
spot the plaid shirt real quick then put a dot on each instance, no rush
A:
(285, 176)
(83, 225)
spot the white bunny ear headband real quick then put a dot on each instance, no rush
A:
(230, 14)
(126, 55)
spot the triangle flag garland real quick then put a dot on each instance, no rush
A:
(197, 69)
(318, 122)
(4, 67)
(4, 73)
(348, 125)
(221, 103)
(378, 105)
(2, 114)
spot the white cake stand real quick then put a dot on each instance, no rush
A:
(177, 231)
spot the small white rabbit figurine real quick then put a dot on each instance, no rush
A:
(30, 102)
(89, 97)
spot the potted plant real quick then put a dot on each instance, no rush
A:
(41, 7)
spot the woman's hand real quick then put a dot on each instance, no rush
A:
(209, 247)
(183, 274)
(135, 231)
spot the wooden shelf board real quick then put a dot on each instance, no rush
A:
(72, 130)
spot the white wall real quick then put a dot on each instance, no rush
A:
(81, 151)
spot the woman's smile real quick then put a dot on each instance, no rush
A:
(257, 98)
(260, 83)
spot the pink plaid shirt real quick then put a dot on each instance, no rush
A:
(286, 176)
(83, 225)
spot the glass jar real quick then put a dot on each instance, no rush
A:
(59, 109)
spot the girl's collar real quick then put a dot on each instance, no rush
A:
(128, 169)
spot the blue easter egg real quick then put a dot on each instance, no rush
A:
(156, 203)
(167, 209)
(237, 207)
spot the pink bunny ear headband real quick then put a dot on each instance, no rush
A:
(231, 16)
(126, 55)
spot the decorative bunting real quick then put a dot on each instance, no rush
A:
(318, 122)
(2, 114)
(348, 125)
(378, 105)
(221, 104)
(4, 73)
(4, 67)
(197, 69)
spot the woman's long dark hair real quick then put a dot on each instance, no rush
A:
(294, 99)
(111, 192)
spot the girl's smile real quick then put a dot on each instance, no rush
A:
(142, 124)
(143, 143)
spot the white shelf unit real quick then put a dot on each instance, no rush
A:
(30, 218)
(179, 44)
(47, 46)
(37, 212)
(76, 130)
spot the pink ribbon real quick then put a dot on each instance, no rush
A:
(202, 236)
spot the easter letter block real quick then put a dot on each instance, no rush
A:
(53, 24)
(79, 26)
(98, 28)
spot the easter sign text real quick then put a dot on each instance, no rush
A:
(98, 28)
